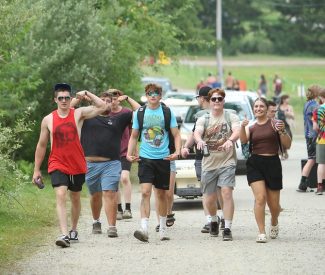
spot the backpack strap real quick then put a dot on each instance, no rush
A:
(140, 116)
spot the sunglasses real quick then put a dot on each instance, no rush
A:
(66, 98)
(218, 98)
(153, 93)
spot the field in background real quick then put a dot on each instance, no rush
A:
(293, 76)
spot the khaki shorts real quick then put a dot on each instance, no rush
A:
(220, 177)
(320, 153)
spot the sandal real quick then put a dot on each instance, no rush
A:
(274, 231)
(170, 220)
(261, 238)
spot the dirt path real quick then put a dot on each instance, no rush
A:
(298, 250)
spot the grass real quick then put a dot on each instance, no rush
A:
(186, 77)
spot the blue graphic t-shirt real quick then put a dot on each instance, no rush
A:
(309, 108)
(154, 137)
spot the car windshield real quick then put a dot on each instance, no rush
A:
(179, 110)
(241, 109)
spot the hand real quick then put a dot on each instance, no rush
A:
(132, 158)
(200, 145)
(245, 121)
(37, 175)
(81, 94)
(185, 152)
(279, 125)
(173, 156)
(226, 146)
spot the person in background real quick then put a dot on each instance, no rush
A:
(229, 81)
(310, 135)
(117, 109)
(262, 86)
(264, 170)
(286, 114)
(272, 109)
(319, 126)
(277, 86)
(66, 163)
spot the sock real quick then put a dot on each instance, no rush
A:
(220, 214)
(111, 226)
(162, 223)
(128, 206)
(303, 179)
(119, 207)
(214, 218)
(98, 220)
(323, 182)
(228, 224)
(208, 217)
(144, 224)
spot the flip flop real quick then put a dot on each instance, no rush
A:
(170, 220)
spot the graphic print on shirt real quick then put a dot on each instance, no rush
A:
(217, 135)
(65, 133)
(153, 133)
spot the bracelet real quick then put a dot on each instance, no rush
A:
(127, 98)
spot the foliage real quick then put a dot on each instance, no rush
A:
(12, 179)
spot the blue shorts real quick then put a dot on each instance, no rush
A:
(103, 176)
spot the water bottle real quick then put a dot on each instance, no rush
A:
(39, 183)
(206, 151)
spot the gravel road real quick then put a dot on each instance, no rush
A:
(298, 250)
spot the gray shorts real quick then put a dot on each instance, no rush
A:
(198, 168)
(320, 153)
(220, 177)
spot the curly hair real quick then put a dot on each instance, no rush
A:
(313, 92)
(153, 87)
(218, 91)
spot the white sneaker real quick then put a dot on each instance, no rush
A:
(163, 234)
(261, 238)
(274, 231)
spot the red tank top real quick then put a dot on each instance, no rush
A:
(66, 154)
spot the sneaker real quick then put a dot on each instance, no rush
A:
(73, 235)
(157, 228)
(163, 235)
(261, 238)
(222, 224)
(206, 228)
(119, 215)
(226, 235)
(274, 231)
(63, 241)
(141, 235)
(127, 214)
(214, 229)
(319, 189)
(302, 187)
(97, 228)
(112, 232)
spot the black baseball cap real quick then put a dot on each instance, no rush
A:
(62, 86)
(204, 91)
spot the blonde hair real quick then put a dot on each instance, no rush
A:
(313, 92)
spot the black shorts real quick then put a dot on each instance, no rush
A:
(126, 165)
(311, 147)
(267, 168)
(73, 182)
(155, 171)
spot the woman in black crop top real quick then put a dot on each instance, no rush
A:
(264, 170)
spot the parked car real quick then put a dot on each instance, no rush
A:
(181, 94)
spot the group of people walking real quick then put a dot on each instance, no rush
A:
(93, 143)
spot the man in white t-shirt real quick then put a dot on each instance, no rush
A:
(218, 167)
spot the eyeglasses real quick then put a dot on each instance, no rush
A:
(66, 98)
(153, 93)
(218, 98)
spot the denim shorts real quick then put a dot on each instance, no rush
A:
(172, 166)
(219, 177)
(103, 176)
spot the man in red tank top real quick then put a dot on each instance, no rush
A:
(66, 164)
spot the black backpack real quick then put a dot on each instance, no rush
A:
(167, 118)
